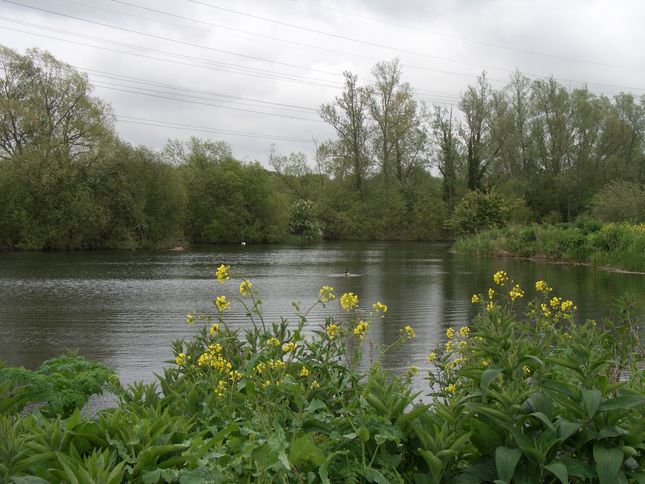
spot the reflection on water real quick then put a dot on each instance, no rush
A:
(124, 308)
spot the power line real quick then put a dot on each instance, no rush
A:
(166, 124)
(382, 46)
(168, 39)
(466, 39)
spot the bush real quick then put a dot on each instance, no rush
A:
(620, 201)
(479, 211)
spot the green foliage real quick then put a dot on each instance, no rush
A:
(619, 201)
(619, 245)
(304, 220)
(58, 387)
(478, 211)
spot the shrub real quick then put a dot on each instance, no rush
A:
(619, 201)
(479, 211)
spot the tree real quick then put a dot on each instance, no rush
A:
(447, 153)
(348, 116)
(475, 106)
(292, 170)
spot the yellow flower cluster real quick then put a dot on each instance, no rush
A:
(245, 287)
(452, 388)
(555, 302)
(542, 286)
(450, 333)
(476, 299)
(491, 293)
(348, 301)
(379, 307)
(516, 292)
(304, 372)
(432, 357)
(361, 329)
(500, 278)
(326, 294)
(190, 319)
(485, 362)
(214, 360)
(181, 359)
(413, 371)
(332, 330)
(222, 273)
(221, 303)
(490, 306)
(409, 332)
(289, 347)
(526, 370)
(234, 376)
(464, 331)
(276, 364)
(273, 341)
(314, 385)
(220, 389)
(214, 329)
(567, 306)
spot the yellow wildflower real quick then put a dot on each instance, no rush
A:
(304, 372)
(276, 364)
(215, 348)
(361, 329)
(491, 293)
(450, 333)
(432, 357)
(500, 278)
(314, 385)
(526, 370)
(273, 341)
(476, 299)
(326, 294)
(222, 273)
(234, 376)
(464, 331)
(332, 330)
(566, 306)
(516, 292)
(449, 346)
(485, 362)
(379, 307)
(289, 346)
(462, 345)
(245, 287)
(545, 310)
(220, 389)
(222, 304)
(181, 359)
(490, 306)
(452, 388)
(457, 361)
(409, 332)
(413, 371)
(267, 383)
(260, 367)
(348, 301)
(555, 302)
(542, 286)
(214, 329)
(190, 319)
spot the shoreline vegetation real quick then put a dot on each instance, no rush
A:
(614, 247)
(397, 169)
(531, 396)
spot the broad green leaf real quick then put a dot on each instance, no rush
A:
(505, 462)
(304, 449)
(559, 470)
(488, 376)
(372, 475)
(28, 480)
(623, 402)
(591, 399)
(608, 462)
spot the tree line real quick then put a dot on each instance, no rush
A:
(396, 169)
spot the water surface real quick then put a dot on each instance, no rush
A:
(124, 308)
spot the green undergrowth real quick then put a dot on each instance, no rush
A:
(522, 398)
(615, 245)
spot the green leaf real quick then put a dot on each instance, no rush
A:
(623, 402)
(566, 429)
(577, 467)
(28, 480)
(505, 462)
(487, 377)
(372, 475)
(303, 449)
(591, 399)
(559, 470)
(608, 462)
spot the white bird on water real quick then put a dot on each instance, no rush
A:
(243, 244)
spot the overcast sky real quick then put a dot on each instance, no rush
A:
(252, 73)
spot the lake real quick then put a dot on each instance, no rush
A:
(124, 308)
